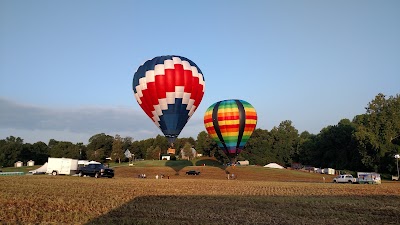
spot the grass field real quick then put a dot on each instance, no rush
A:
(257, 196)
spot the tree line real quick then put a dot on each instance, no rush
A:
(368, 142)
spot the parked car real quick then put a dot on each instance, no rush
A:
(95, 170)
(345, 178)
(193, 172)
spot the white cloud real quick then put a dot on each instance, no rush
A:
(35, 123)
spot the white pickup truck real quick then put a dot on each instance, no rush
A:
(345, 178)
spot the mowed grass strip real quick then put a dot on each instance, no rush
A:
(243, 173)
(76, 200)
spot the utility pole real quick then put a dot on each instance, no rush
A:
(397, 158)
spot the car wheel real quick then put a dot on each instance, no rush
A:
(350, 182)
(54, 173)
(334, 181)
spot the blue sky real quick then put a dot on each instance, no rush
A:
(66, 67)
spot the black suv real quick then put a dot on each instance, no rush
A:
(95, 170)
(193, 172)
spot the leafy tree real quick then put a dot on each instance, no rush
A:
(187, 151)
(285, 142)
(153, 152)
(100, 141)
(162, 143)
(180, 143)
(26, 153)
(139, 148)
(96, 155)
(117, 149)
(376, 132)
(65, 149)
(10, 148)
(82, 150)
(205, 144)
(258, 148)
(41, 152)
(336, 146)
(307, 150)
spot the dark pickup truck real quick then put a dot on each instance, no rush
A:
(95, 170)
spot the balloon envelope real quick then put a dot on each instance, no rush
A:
(169, 89)
(230, 123)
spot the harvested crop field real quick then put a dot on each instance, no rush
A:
(204, 199)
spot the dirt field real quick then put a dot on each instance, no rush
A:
(257, 196)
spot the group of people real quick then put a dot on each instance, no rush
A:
(231, 176)
(143, 175)
(161, 176)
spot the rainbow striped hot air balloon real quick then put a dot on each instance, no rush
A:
(230, 123)
(169, 89)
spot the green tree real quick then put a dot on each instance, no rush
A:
(336, 146)
(205, 144)
(153, 152)
(180, 143)
(258, 148)
(307, 150)
(10, 148)
(26, 153)
(285, 142)
(187, 151)
(65, 149)
(162, 143)
(41, 152)
(117, 149)
(96, 155)
(100, 141)
(377, 131)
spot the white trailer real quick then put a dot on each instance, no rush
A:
(329, 171)
(368, 178)
(65, 166)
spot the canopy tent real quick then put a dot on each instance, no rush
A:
(41, 169)
(274, 166)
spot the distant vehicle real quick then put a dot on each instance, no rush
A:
(368, 178)
(193, 172)
(393, 177)
(64, 166)
(95, 170)
(345, 178)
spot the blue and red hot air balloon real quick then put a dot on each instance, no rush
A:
(169, 89)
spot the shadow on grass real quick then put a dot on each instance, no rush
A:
(178, 165)
(210, 162)
(206, 209)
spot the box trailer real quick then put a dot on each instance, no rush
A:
(368, 178)
(65, 166)
(329, 171)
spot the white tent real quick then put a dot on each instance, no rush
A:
(274, 166)
(41, 169)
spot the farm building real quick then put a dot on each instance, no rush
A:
(18, 164)
(30, 163)
(165, 157)
(244, 163)
(183, 156)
